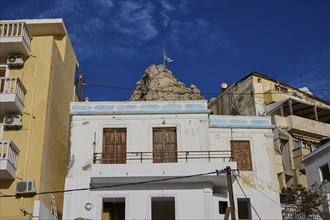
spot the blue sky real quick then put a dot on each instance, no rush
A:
(210, 41)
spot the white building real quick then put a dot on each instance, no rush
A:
(317, 165)
(250, 139)
(117, 145)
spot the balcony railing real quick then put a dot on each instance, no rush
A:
(162, 157)
(15, 29)
(9, 152)
(12, 85)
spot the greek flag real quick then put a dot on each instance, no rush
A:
(167, 58)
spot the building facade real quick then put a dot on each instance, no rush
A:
(317, 165)
(163, 160)
(37, 69)
(301, 119)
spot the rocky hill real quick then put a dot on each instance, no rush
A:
(159, 84)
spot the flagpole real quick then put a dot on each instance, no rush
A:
(164, 57)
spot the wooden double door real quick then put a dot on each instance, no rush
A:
(165, 145)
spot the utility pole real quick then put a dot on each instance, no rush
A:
(231, 193)
(80, 79)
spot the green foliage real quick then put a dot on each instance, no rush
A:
(302, 201)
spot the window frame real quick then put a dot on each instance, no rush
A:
(324, 177)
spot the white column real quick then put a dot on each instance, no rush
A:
(208, 206)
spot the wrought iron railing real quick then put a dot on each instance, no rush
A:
(162, 157)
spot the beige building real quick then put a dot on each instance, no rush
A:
(300, 119)
(37, 69)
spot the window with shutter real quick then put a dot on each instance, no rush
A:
(241, 152)
(114, 145)
(164, 145)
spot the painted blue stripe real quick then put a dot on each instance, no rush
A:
(194, 106)
(104, 107)
(150, 107)
(144, 112)
(241, 126)
(172, 106)
(81, 107)
(126, 107)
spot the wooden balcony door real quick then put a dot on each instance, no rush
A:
(2, 74)
(165, 145)
(114, 145)
(241, 153)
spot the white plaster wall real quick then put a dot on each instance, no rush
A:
(189, 200)
(191, 133)
(313, 172)
(263, 176)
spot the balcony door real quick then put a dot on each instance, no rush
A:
(2, 74)
(165, 145)
(114, 145)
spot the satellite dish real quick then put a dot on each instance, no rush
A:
(223, 87)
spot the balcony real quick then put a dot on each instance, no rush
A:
(145, 166)
(307, 126)
(8, 159)
(12, 92)
(14, 39)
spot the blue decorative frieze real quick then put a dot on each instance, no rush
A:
(161, 107)
(127, 107)
(172, 106)
(239, 122)
(104, 107)
(194, 106)
(150, 107)
(81, 108)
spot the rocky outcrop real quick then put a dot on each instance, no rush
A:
(159, 84)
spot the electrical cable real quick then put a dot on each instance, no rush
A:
(209, 93)
(246, 196)
(260, 191)
(116, 185)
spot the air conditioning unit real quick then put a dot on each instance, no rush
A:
(12, 121)
(25, 188)
(15, 60)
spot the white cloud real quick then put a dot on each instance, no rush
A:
(105, 3)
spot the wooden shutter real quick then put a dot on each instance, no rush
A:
(241, 153)
(164, 145)
(2, 74)
(114, 145)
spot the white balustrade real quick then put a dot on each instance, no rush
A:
(9, 151)
(12, 85)
(15, 29)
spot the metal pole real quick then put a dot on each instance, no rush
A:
(231, 194)
(80, 85)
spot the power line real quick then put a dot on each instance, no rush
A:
(207, 93)
(246, 197)
(116, 185)
(260, 191)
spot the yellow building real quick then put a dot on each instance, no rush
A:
(37, 69)
(300, 119)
